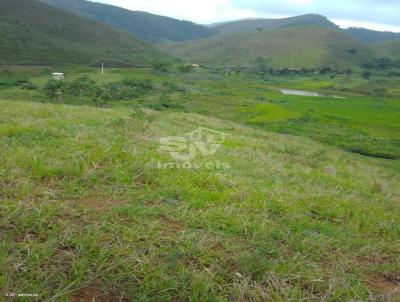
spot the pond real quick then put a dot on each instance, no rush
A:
(299, 92)
(307, 93)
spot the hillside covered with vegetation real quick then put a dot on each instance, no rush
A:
(363, 35)
(294, 213)
(292, 47)
(307, 41)
(35, 33)
(371, 36)
(269, 172)
(389, 49)
(148, 27)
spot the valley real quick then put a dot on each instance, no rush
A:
(146, 158)
(92, 201)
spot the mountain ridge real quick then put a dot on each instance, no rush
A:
(366, 36)
(145, 26)
(159, 29)
(260, 24)
(369, 36)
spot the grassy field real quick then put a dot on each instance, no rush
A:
(365, 121)
(86, 211)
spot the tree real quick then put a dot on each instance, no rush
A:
(53, 88)
(349, 71)
(261, 64)
(325, 70)
(366, 75)
(161, 66)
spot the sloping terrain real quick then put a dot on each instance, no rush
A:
(371, 36)
(35, 33)
(293, 47)
(148, 27)
(87, 212)
(363, 35)
(389, 49)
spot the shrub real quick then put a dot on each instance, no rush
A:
(381, 92)
(185, 68)
(99, 95)
(161, 66)
(53, 88)
(29, 86)
(381, 64)
(8, 79)
(81, 87)
(366, 75)
(128, 89)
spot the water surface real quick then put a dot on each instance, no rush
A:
(308, 93)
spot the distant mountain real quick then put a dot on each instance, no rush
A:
(371, 36)
(292, 47)
(363, 35)
(257, 25)
(303, 41)
(148, 27)
(35, 33)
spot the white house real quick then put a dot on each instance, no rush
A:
(57, 75)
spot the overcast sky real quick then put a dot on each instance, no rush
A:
(374, 14)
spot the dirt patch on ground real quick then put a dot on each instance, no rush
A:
(375, 259)
(386, 284)
(169, 227)
(89, 294)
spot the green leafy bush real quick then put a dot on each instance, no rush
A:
(8, 79)
(53, 88)
(161, 66)
(128, 89)
(84, 88)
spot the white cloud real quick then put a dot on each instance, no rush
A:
(203, 11)
(369, 25)
(301, 2)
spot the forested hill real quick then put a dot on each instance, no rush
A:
(148, 27)
(35, 33)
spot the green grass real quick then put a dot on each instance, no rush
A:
(270, 113)
(359, 123)
(81, 208)
(85, 211)
(364, 124)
